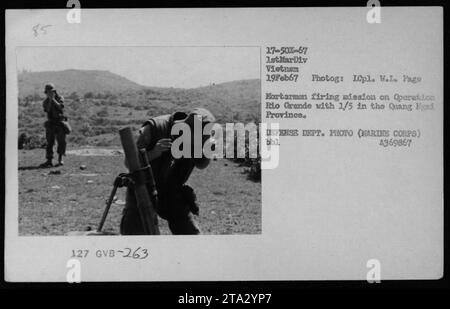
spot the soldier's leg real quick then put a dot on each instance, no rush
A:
(50, 137)
(131, 223)
(61, 139)
(184, 225)
(179, 216)
(178, 203)
(61, 149)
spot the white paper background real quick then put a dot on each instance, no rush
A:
(330, 206)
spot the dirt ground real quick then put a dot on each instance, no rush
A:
(55, 203)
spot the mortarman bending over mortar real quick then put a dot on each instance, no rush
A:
(177, 201)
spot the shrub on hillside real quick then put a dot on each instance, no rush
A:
(86, 129)
(126, 104)
(77, 139)
(31, 141)
(103, 112)
(88, 95)
(104, 143)
(73, 96)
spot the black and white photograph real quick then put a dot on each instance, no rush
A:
(301, 145)
(74, 100)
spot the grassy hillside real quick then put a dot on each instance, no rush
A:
(79, 81)
(98, 103)
(232, 101)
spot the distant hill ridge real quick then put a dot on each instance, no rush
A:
(115, 99)
(80, 81)
(98, 81)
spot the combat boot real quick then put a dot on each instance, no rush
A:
(60, 161)
(47, 163)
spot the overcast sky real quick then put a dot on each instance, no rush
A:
(184, 67)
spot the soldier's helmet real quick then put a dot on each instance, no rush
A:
(206, 116)
(49, 87)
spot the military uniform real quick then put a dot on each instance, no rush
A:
(177, 201)
(54, 128)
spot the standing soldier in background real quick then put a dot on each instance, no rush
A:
(54, 126)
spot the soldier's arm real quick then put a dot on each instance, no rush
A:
(61, 101)
(144, 140)
(59, 106)
(46, 105)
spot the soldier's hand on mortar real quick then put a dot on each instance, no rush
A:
(163, 145)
